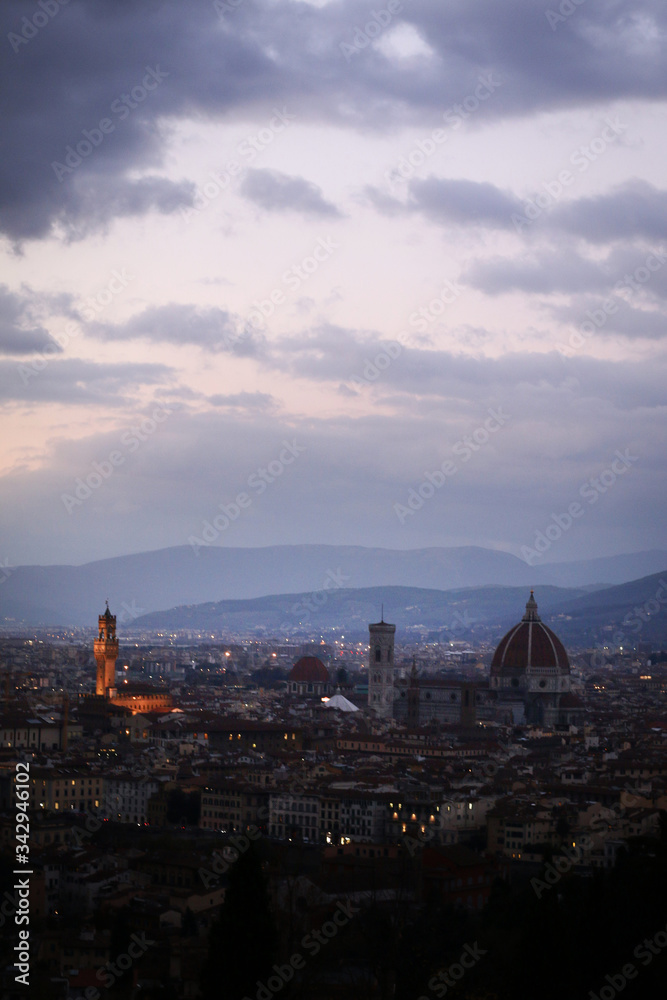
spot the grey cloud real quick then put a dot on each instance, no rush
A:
(278, 192)
(77, 382)
(66, 80)
(635, 209)
(613, 315)
(337, 355)
(544, 272)
(211, 329)
(451, 201)
(463, 202)
(19, 333)
(244, 400)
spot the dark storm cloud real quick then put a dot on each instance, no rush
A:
(76, 382)
(278, 192)
(633, 210)
(93, 62)
(210, 329)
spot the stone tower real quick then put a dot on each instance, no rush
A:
(381, 668)
(106, 654)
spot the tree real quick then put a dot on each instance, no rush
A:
(242, 942)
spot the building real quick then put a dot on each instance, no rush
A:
(381, 668)
(309, 678)
(530, 673)
(106, 654)
(135, 697)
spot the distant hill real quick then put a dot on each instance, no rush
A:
(166, 578)
(451, 613)
(630, 613)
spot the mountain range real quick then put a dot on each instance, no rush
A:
(137, 585)
(619, 615)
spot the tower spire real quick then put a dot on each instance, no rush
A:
(531, 614)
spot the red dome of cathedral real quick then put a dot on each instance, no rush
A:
(309, 670)
(528, 645)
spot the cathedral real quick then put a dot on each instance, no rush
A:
(530, 674)
(529, 682)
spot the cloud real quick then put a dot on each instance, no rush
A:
(546, 272)
(251, 401)
(635, 209)
(214, 329)
(563, 421)
(73, 381)
(20, 333)
(90, 62)
(463, 202)
(278, 192)
(446, 201)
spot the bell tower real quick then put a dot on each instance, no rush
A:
(381, 668)
(106, 654)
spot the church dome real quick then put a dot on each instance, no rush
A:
(529, 645)
(309, 670)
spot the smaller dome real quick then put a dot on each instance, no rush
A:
(310, 670)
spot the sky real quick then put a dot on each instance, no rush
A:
(282, 272)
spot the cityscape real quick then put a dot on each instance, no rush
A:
(333, 550)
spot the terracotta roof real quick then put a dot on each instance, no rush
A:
(309, 669)
(529, 644)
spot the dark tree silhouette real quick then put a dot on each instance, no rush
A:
(242, 942)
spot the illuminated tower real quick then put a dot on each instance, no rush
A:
(381, 668)
(106, 654)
